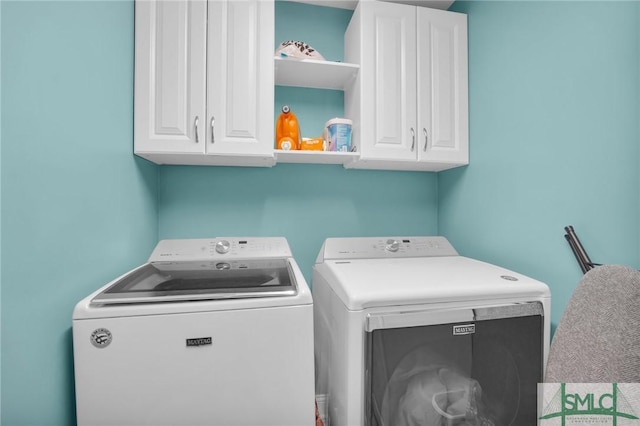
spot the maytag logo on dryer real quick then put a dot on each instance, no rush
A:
(200, 341)
(461, 330)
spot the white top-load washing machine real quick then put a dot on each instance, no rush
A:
(408, 333)
(207, 332)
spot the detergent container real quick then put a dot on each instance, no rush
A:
(287, 130)
(338, 134)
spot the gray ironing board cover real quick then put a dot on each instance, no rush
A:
(598, 336)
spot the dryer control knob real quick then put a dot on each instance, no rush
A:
(392, 246)
(223, 246)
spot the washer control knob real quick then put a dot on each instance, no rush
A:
(223, 246)
(392, 245)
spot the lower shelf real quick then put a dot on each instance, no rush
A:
(318, 157)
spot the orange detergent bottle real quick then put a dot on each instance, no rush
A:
(287, 130)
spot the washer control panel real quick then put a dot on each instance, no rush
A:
(221, 248)
(384, 247)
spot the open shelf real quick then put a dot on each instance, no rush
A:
(314, 74)
(317, 157)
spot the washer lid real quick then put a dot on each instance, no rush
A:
(365, 283)
(202, 280)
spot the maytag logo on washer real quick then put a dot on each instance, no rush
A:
(461, 330)
(200, 341)
(101, 337)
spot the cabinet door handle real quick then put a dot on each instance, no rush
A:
(413, 139)
(195, 125)
(426, 139)
(213, 138)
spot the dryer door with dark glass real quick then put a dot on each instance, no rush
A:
(455, 367)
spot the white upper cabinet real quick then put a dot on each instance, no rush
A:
(385, 109)
(170, 82)
(204, 82)
(240, 78)
(205, 75)
(443, 109)
(409, 101)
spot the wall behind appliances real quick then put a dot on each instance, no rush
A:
(554, 137)
(305, 203)
(77, 208)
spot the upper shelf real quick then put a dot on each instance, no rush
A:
(314, 74)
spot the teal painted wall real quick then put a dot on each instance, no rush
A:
(77, 207)
(304, 203)
(554, 107)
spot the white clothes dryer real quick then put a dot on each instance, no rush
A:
(408, 332)
(207, 332)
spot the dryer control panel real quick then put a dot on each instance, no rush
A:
(384, 247)
(221, 248)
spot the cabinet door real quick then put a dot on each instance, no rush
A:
(442, 87)
(240, 77)
(170, 87)
(388, 70)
